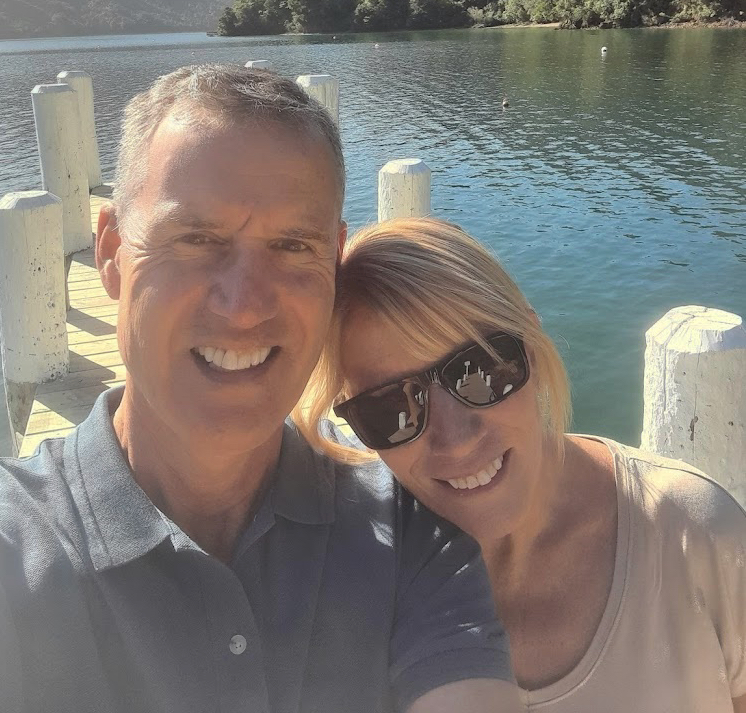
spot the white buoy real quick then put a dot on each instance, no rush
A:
(324, 89)
(82, 83)
(604, 50)
(259, 64)
(404, 189)
(32, 300)
(63, 164)
(694, 405)
(376, 45)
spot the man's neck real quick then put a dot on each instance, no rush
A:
(209, 491)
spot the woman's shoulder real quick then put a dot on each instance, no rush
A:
(674, 494)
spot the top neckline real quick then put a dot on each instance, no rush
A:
(594, 653)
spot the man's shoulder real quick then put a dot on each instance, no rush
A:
(29, 482)
(38, 517)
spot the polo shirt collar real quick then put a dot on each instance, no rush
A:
(303, 489)
(123, 524)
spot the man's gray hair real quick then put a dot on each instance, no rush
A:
(221, 95)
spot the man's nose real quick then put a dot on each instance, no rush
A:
(245, 289)
(452, 427)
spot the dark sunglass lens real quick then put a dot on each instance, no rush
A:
(390, 415)
(478, 377)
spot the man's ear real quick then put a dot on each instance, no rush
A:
(341, 240)
(108, 243)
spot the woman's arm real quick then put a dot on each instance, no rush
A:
(475, 695)
(739, 704)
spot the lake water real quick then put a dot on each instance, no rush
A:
(613, 188)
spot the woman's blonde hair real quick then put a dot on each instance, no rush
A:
(437, 287)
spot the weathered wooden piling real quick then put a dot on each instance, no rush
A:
(404, 189)
(695, 410)
(82, 83)
(324, 89)
(32, 300)
(63, 164)
(259, 64)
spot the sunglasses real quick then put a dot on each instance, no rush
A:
(392, 414)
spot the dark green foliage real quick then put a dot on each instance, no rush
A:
(381, 15)
(254, 17)
(320, 15)
(424, 14)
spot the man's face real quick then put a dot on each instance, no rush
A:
(227, 278)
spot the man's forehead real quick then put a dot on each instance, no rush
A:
(195, 216)
(256, 162)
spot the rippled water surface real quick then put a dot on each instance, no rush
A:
(613, 188)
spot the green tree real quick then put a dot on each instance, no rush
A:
(321, 15)
(433, 14)
(380, 15)
(257, 17)
(227, 22)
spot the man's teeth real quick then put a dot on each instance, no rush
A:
(231, 360)
(481, 478)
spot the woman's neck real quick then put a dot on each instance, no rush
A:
(552, 574)
(544, 506)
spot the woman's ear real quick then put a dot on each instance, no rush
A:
(108, 243)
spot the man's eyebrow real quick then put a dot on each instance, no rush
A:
(179, 215)
(305, 234)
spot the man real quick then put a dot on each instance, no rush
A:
(184, 549)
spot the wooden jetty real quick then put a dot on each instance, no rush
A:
(95, 362)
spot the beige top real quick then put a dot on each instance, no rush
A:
(673, 636)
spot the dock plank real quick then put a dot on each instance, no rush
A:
(95, 362)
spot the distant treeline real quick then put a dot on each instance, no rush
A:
(257, 17)
(45, 18)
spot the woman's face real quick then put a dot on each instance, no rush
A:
(458, 441)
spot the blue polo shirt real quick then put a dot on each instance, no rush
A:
(344, 594)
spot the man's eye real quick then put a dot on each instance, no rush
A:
(291, 245)
(196, 239)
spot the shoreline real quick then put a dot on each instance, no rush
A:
(716, 25)
(726, 24)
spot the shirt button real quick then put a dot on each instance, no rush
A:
(238, 644)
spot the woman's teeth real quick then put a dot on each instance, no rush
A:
(483, 477)
(231, 360)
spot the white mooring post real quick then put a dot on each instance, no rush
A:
(82, 83)
(63, 164)
(324, 89)
(695, 398)
(259, 64)
(404, 189)
(32, 300)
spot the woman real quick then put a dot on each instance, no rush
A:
(619, 575)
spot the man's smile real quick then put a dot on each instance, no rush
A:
(233, 360)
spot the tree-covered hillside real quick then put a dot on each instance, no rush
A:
(35, 18)
(256, 17)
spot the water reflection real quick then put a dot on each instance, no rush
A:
(612, 188)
